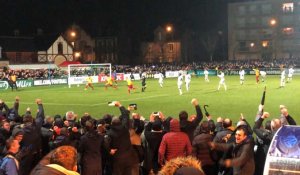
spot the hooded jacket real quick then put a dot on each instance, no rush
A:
(174, 144)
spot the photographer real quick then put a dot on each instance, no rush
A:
(117, 141)
(153, 135)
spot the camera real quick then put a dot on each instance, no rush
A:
(112, 103)
(155, 113)
(134, 106)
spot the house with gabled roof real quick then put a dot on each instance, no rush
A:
(48, 48)
(54, 49)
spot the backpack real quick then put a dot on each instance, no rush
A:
(3, 162)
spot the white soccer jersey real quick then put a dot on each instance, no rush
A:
(222, 78)
(180, 81)
(160, 78)
(263, 73)
(291, 72)
(188, 78)
(242, 74)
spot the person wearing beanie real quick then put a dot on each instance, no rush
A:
(174, 144)
(153, 136)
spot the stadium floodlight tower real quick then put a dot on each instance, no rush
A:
(78, 73)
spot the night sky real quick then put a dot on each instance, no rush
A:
(135, 18)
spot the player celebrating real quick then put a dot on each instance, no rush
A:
(242, 76)
(206, 75)
(187, 81)
(290, 74)
(179, 83)
(160, 79)
(282, 78)
(89, 83)
(222, 80)
(256, 75)
(263, 75)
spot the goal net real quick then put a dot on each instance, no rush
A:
(78, 73)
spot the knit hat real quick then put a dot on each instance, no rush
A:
(157, 125)
(17, 131)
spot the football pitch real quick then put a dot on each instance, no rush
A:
(58, 99)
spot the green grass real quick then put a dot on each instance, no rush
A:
(58, 99)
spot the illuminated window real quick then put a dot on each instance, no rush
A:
(265, 43)
(170, 46)
(288, 7)
(288, 30)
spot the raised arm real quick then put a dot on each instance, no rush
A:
(40, 116)
(199, 116)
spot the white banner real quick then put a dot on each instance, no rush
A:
(50, 82)
(81, 80)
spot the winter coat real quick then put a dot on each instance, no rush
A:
(174, 144)
(52, 169)
(189, 126)
(91, 147)
(201, 149)
(242, 156)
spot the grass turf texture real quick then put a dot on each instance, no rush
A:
(58, 99)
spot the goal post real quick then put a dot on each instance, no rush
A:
(78, 73)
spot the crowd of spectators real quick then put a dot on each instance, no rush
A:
(152, 68)
(36, 74)
(130, 145)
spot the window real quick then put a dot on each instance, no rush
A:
(252, 8)
(60, 48)
(287, 20)
(241, 10)
(159, 36)
(241, 22)
(243, 46)
(18, 55)
(171, 47)
(288, 7)
(241, 34)
(265, 43)
(266, 8)
(288, 30)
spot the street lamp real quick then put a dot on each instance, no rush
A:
(273, 23)
(169, 28)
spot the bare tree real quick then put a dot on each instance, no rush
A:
(209, 42)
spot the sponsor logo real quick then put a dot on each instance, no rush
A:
(3, 85)
(24, 83)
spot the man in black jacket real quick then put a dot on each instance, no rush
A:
(31, 141)
(189, 126)
(118, 142)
